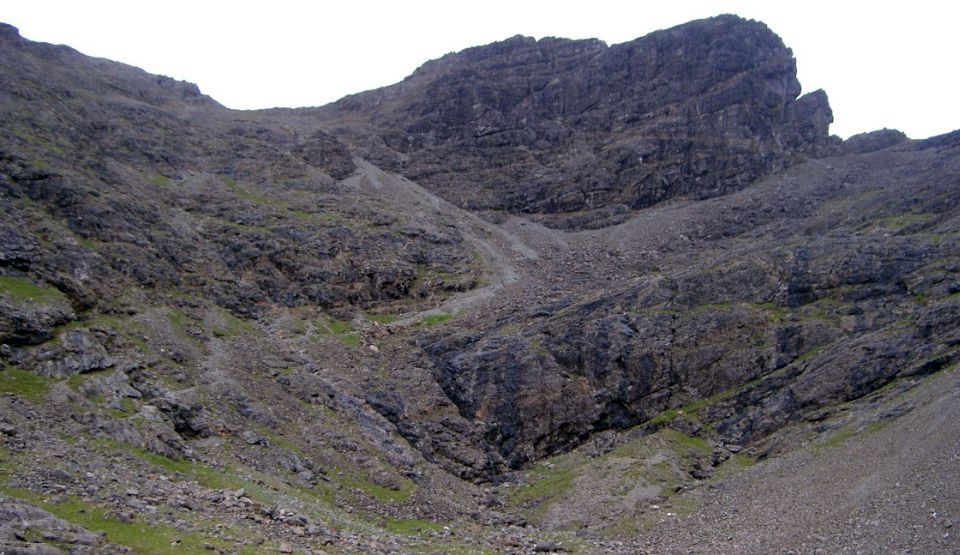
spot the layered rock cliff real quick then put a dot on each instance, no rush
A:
(584, 132)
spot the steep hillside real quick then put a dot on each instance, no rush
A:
(540, 296)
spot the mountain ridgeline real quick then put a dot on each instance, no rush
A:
(439, 314)
(579, 133)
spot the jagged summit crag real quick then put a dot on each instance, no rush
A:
(584, 132)
(541, 296)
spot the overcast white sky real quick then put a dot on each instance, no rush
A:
(883, 64)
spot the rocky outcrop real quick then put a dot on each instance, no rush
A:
(558, 126)
(77, 351)
(157, 185)
(794, 310)
(873, 141)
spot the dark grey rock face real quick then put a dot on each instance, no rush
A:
(77, 351)
(558, 126)
(776, 311)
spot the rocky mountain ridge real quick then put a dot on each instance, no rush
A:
(540, 296)
(584, 132)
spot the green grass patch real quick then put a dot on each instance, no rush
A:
(837, 438)
(206, 476)
(178, 319)
(351, 339)
(810, 354)
(548, 483)
(678, 505)
(734, 465)
(22, 289)
(87, 243)
(876, 426)
(664, 417)
(389, 495)
(298, 326)
(435, 319)
(774, 311)
(339, 327)
(23, 383)
(685, 444)
(903, 221)
(156, 179)
(234, 326)
(412, 526)
(341, 330)
(355, 480)
(139, 535)
(313, 217)
(243, 193)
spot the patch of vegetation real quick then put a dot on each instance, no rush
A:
(843, 434)
(206, 476)
(351, 339)
(389, 495)
(838, 438)
(685, 444)
(412, 526)
(139, 535)
(774, 311)
(178, 319)
(278, 440)
(876, 426)
(22, 289)
(353, 479)
(313, 217)
(435, 319)
(664, 417)
(341, 330)
(902, 222)
(810, 354)
(243, 193)
(155, 179)
(87, 242)
(340, 327)
(824, 309)
(734, 465)
(550, 481)
(23, 383)
(264, 488)
(233, 326)
(298, 326)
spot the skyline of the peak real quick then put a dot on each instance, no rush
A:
(885, 68)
